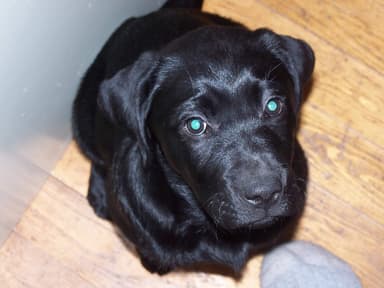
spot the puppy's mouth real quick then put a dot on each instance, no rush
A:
(265, 222)
(236, 224)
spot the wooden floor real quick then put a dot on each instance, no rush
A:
(59, 242)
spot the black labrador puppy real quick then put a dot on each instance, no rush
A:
(190, 120)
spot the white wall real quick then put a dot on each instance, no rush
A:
(45, 48)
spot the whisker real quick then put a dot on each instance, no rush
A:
(270, 71)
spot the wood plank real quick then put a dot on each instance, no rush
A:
(73, 169)
(355, 27)
(342, 86)
(23, 265)
(20, 181)
(343, 162)
(346, 232)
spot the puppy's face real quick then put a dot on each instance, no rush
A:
(224, 117)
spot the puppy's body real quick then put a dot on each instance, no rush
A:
(179, 196)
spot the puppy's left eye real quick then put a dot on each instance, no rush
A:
(273, 107)
(196, 126)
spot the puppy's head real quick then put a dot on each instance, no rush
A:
(222, 105)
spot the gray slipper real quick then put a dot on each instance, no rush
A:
(300, 264)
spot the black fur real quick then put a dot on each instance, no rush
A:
(185, 4)
(184, 198)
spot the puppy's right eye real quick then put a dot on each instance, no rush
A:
(196, 126)
(273, 107)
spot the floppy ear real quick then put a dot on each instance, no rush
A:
(125, 99)
(297, 57)
(300, 61)
(140, 199)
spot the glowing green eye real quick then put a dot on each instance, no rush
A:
(196, 126)
(273, 106)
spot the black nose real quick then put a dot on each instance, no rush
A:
(265, 195)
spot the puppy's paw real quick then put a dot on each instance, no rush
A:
(155, 267)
